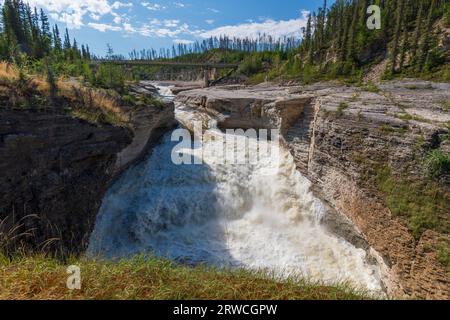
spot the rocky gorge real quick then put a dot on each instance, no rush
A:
(340, 137)
(55, 170)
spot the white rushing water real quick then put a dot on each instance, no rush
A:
(225, 215)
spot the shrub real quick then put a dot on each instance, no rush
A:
(438, 162)
(250, 66)
(53, 87)
(340, 110)
(424, 204)
(371, 87)
(444, 255)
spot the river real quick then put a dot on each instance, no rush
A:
(233, 216)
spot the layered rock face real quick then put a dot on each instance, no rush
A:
(54, 170)
(339, 136)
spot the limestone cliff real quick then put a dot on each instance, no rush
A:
(340, 137)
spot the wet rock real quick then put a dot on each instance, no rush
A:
(337, 134)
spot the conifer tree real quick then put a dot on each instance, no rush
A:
(417, 32)
(399, 14)
(425, 44)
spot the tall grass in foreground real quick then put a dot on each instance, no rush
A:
(38, 277)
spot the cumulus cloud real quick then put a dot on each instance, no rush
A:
(170, 28)
(72, 12)
(153, 6)
(170, 23)
(277, 29)
(128, 28)
(104, 27)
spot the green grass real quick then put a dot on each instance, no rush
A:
(444, 255)
(257, 79)
(424, 204)
(340, 110)
(38, 277)
(438, 162)
(371, 87)
(142, 100)
(408, 117)
(446, 106)
(98, 116)
(388, 129)
(428, 86)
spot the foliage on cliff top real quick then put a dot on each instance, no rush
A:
(37, 277)
(21, 91)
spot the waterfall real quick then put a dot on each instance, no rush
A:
(226, 216)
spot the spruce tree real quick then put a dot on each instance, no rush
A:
(417, 32)
(67, 43)
(399, 14)
(425, 44)
(57, 39)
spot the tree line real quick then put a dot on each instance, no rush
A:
(337, 39)
(336, 42)
(261, 43)
(27, 33)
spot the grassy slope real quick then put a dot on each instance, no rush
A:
(44, 278)
(33, 92)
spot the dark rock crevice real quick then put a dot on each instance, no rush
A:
(55, 170)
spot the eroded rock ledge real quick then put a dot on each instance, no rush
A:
(337, 135)
(54, 169)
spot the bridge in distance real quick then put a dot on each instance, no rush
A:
(168, 63)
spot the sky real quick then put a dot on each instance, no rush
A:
(144, 24)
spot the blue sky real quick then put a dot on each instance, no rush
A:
(143, 24)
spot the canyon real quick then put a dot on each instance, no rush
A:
(338, 135)
(59, 168)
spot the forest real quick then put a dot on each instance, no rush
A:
(336, 43)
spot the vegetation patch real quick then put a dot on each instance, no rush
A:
(438, 162)
(425, 204)
(444, 255)
(371, 87)
(340, 110)
(39, 277)
(409, 117)
(446, 105)
(21, 91)
(388, 129)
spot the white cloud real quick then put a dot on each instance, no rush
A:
(276, 29)
(209, 21)
(179, 4)
(128, 28)
(170, 28)
(153, 6)
(171, 23)
(117, 19)
(95, 17)
(183, 41)
(118, 5)
(213, 10)
(104, 27)
(72, 12)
